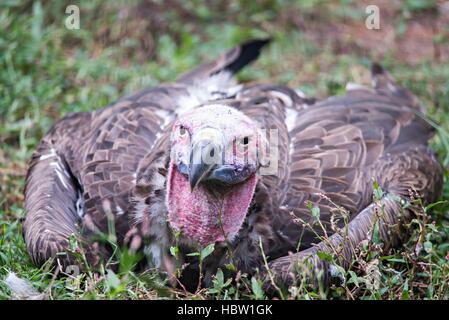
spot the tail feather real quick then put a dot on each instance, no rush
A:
(231, 61)
(245, 54)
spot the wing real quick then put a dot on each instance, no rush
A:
(338, 147)
(335, 148)
(51, 194)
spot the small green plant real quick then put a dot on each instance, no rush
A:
(203, 254)
(220, 287)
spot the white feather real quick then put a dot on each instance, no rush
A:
(300, 93)
(80, 205)
(356, 86)
(201, 91)
(290, 118)
(22, 289)
(56, 163)
(154, 252)
(52, 153)
(165, 115)
(139, 210)
(59, 171)
(288, 102)
(119, 211)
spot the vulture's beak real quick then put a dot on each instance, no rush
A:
(198, 173)
(204, 157)
(206, 163)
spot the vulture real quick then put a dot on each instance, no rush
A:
(272, 179)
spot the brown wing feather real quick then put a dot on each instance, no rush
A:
(338, 147)
(51, 193)
(410, 169)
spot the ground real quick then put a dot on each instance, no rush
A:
(47, 70)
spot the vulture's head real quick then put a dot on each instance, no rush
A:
(214, 158)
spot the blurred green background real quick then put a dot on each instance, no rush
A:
(318, 46)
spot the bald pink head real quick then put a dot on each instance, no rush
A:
(212, 175)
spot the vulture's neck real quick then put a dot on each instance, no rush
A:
(151, 217)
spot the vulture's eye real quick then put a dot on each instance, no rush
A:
(245, 141)
(182, 131)
(242, 146)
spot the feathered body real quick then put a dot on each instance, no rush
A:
(116, 165)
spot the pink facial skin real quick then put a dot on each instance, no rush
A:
(203, 216)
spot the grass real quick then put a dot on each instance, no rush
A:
(47, 71)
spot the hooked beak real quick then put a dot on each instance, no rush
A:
(198, 173)
(206, 162)
(204, 157)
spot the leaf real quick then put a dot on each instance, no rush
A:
(430, 206)
(313, 209)
(219, 277)
(397, 260)
(405, 294)
(128, 260)
(309, 204)
(219, 283)
(432, 227)
(256, 288)
(193, 254)
(316, 212)
(376, 234)
(231, 267)
(112, 280)
(174, 251)
(213, 291)
(378, 192)
(354, 279)
(73, 242)
(324, 256)
(207, 251)
(428, 246)
(382, 291)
